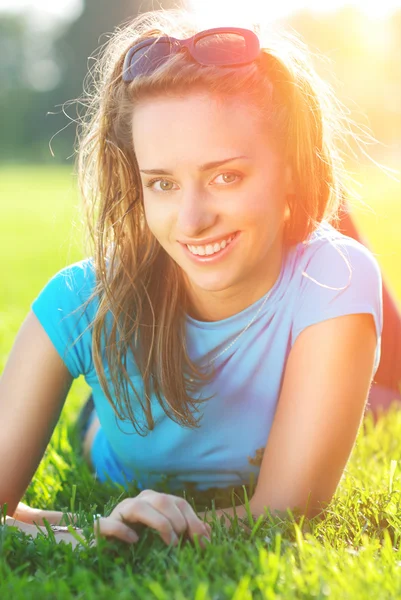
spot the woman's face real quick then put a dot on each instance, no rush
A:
(208, 172)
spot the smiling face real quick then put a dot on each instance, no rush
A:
(209, 172)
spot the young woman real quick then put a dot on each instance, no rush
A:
(225, 326)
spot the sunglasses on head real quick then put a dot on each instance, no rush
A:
(222, 47)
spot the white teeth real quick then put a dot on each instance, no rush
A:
(209, 248)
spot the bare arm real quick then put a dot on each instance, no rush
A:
(33, 388)
(326, 384)
(34, 531)
(27, 514)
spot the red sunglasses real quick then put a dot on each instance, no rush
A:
(222, 47)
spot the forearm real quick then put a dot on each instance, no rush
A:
(35, 515)
(35, 530)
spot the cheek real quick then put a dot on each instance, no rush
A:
(150, 217)
(260, 208)
(266, 198)
(157, 218)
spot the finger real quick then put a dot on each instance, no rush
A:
(207, 526)
(108, 527)
(167, 506)
(138, 510)
(194, 524)
(170, 506)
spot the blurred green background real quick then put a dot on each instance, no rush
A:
(45, 53)
(44, 57)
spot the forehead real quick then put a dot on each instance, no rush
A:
(179, 126)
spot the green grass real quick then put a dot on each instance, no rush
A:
(352, 553)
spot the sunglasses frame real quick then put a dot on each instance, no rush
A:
(176, 45)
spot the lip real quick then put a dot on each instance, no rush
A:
(209, 240)
(213, 257)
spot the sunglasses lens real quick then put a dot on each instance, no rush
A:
(218, 47)
(146, 60)
(222, 49)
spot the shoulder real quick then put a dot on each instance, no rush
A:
(63, 311)
(77, 279)
(77, 276)
(331, 258)
(68, 289)
(336, 276)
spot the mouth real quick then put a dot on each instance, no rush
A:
(220, 254)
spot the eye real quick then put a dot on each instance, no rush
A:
(165, 185)
(228, 178)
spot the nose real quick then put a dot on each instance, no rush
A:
(196, 213)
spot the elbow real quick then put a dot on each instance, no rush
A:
(7, 509)
(8, 505)
(309, 508)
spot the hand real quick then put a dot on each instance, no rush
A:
(170, 515)
(34, 531)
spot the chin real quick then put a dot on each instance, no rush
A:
(214, 285)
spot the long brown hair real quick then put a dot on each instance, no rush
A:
(136, 281)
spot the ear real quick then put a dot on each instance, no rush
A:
(290, 188)
(287, 213)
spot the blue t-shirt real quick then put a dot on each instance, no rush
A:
(328, 276)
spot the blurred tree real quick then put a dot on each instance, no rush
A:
(21, 104)
(13, 32)
(31, 108)
(40, 72)
(75, 47)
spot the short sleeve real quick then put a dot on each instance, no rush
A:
(60, 309)
(340, 278)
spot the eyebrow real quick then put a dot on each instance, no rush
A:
(205, 167)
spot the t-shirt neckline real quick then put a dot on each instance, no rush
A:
(250, 310)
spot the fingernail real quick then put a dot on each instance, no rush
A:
(174, 538)
(206, 539)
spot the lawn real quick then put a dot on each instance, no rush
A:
(352, 553)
